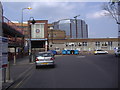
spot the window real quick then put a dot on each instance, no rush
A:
(110, 43)
(105, 44)
(79, 44)
(50, 45)
(97, 43)
(72, 44)
(84, 43)
(54, 35)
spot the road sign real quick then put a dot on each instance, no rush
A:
(3, 52)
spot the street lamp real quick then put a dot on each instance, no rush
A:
(22, 15)
(22, 27)
(30, 48)
(76, 25)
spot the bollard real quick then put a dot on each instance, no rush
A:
(14, 60)
(8, 72)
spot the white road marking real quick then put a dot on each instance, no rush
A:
(81, 56)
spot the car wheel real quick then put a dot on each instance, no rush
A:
(53, 66)
(36, 67)
(115, 55)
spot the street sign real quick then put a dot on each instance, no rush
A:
(3, 52)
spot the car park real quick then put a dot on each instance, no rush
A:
(44, 59)
(100, 51)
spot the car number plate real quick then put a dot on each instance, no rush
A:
(44, 63)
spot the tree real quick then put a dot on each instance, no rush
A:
(113, 9)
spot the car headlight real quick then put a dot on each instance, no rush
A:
(106, 51)
(95, 51)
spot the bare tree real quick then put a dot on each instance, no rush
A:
(112, 9)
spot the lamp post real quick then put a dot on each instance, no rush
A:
(22, 27)
(22, 16)
(30, 48)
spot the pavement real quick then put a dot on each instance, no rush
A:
(17, 71)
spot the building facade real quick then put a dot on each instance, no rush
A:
(24, 27)
(85, 44)
(73, 30)
(38, 35)
(56, 34)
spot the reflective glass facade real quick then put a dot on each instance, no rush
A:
(73, 30)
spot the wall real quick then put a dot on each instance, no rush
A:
(56, 34)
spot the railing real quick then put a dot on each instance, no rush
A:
(13, 25)
(14, 41)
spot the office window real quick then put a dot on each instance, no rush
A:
(105, 44)
(110, 43)
(50, 45)
(97, 43)
(84, 43)
(79, 44)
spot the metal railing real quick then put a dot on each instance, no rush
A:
(11, 24)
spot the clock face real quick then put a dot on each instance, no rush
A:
(37, 30)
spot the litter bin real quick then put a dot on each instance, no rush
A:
(68, 52)
(64, 52)
(76, 52)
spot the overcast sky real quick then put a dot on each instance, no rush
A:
(100, 26)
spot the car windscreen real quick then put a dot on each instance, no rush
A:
(118, 50)
(100, 50)
(44, 55)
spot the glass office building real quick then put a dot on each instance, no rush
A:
(73, 30)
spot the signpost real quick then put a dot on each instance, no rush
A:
(4, 52)
(3, 56)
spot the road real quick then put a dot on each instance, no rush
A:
(75, 71)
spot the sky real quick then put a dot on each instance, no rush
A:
(99, 25)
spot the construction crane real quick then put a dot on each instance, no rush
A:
(76, 16)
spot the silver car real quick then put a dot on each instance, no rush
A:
(44, 59)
